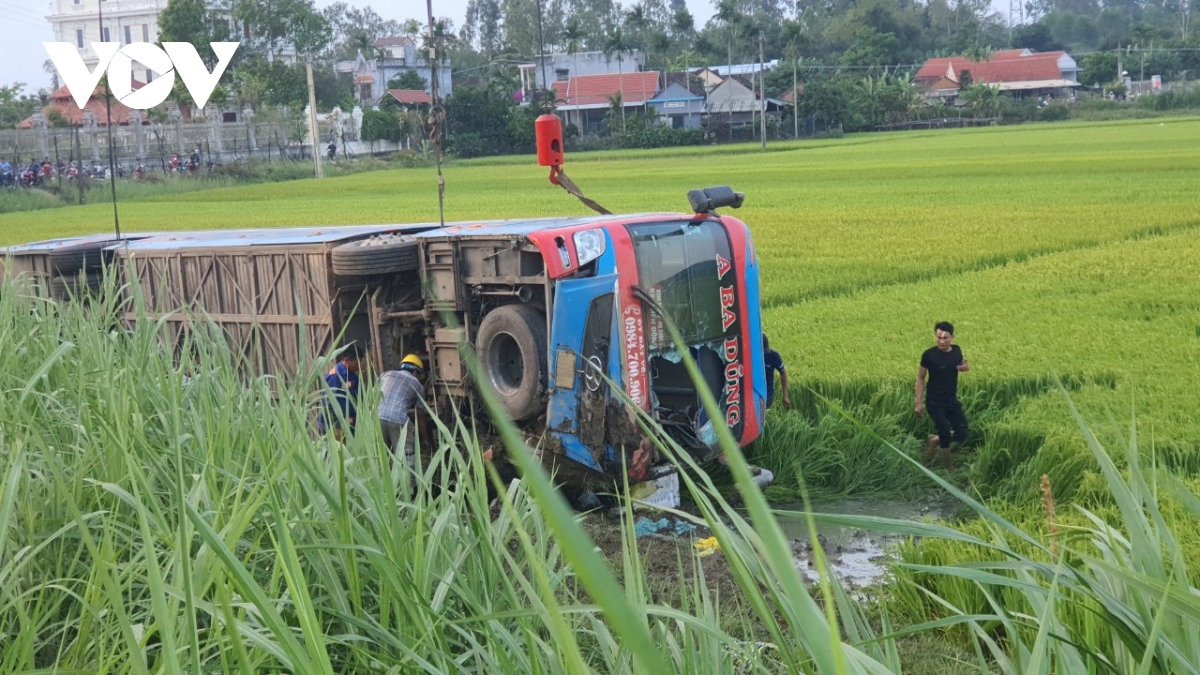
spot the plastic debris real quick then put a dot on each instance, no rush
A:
(762, 477)
(708, 546)
(660, 492)
(679, 528)
(645, 526)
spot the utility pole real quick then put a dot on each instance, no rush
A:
(437, 115)
(312, 121)
(112, 169)
(79, 178)
(795, 94)
(542, 55)
(762, 93)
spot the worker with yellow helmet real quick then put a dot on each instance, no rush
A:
(402, 389)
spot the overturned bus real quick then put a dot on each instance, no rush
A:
(559, 311)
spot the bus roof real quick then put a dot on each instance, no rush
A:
(182, 239)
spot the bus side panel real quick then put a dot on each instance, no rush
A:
(750, 295)
(259, 296)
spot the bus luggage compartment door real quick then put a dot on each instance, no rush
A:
(580, 347)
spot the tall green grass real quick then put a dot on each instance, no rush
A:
(150, 525)
(153, 525)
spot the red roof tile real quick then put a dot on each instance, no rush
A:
(1003, 66)
(593, 89)
(62, 101)
(393, 41)
(410, 96)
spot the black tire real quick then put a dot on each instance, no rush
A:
(379, 254)
(69, 260)
(512, 352)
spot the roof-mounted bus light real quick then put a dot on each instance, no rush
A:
(708, 200)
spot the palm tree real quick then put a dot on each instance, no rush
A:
(48, 67)
(618, 44)
(635, 21)
(727, 14)
(682, 25)
(660, 43)
(574, 36)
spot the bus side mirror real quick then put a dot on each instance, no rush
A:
(708, 200)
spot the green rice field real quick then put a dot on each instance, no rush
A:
(1066, 250)
(211, 530)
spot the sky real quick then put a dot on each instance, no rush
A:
(23, 29)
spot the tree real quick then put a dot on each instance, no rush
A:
(1035, 36)
(683, 26)
(825, 100)
(480, 122)
(409, 79)
(573, 35)
(191, 21)
(871, 48)
(50, 69)
(271, 23)
(660, 43)
(1099, 68)
(984, 100)
(15, 106)
(618, 44)
(356, 29)
(728, 15)
(380, 125)
(184, 21)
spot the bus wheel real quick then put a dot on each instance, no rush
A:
(380, 254)
(512, 351)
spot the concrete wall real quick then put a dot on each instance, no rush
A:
(586, 63)
(272, 134)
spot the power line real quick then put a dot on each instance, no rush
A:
(22, 20)
(26, 11)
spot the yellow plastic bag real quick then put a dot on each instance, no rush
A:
(708, 546)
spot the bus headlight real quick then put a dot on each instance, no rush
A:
(589, 245)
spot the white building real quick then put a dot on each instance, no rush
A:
(395, 56)
(562, 67)
(125, 21)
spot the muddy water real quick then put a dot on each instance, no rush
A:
(857, 557)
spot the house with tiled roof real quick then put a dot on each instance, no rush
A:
(1020, 72)
(680, 104)
(736, 102)
(584, 100)
(391, 56)
(410, 97)
(63, 102)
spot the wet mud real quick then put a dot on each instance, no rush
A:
(857, 557)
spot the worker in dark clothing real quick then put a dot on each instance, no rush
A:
(342, 381)
(942, 364)
(773, 363)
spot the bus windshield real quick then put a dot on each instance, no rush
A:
(688, 269)
(678, 265)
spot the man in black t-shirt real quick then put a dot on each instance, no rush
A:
(773, 363)
(942, 364)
